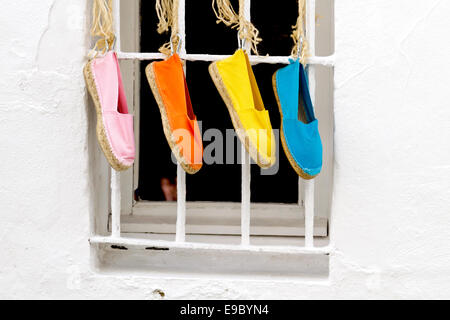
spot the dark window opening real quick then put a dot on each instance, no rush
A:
(216, 182)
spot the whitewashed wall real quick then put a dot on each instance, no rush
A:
(390, 211)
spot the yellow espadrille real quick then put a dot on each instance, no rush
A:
(237, 85)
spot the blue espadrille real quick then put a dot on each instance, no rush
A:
(299, 127)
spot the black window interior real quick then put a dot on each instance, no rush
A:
(217, 182)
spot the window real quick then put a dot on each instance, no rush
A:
(212, 224)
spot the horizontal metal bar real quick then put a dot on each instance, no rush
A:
(134, 242)
(324, 61)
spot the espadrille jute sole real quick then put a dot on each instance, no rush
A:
(101, 132)
(261, 160)
(165, 122)
(293, 163)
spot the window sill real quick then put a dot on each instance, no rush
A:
(213, 242)
(192, 259)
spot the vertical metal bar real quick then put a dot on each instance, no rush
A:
(247, 4)
(311, 26)
(181, 174)
(309, 213)
(182, 24)
(115, 175)
(246, 169)
(245, 205)
(116, 13)
(137, 96)
(181, 205)
(301, 192)
(115, 203)
(309, 185)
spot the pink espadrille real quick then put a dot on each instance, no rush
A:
(114, 124)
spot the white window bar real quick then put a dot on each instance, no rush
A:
(245, 201)
(306, 188)
(324, 61)
(246, 169)
(309, 184)
(115, 203)
(180, 235)
(181, 205)
(115, 175)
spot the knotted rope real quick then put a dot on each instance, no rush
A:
(167, 11)
(301, 45)
(102, 25)
(246, 30)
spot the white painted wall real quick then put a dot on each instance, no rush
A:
(390, 208)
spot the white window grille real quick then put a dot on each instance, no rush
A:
(306, 188)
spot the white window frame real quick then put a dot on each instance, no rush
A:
(142, 217)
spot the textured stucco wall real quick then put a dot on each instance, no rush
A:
(392, 172)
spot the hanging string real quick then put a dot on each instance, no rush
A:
(164, 13)
(225, 13)
(301, 45)
(102, 25)
(167, 11)
(247, 32)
